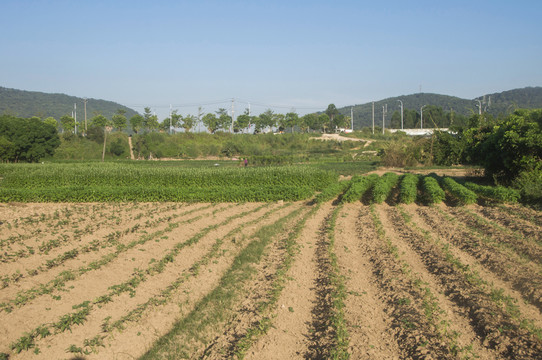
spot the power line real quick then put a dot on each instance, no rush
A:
(226, 101)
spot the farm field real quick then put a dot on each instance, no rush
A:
(286, 279)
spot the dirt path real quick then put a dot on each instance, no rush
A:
(132, 157)
(340, 138)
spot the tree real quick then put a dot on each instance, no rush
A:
(280, 120)
(165, 125)
(119, 120)
(411, 119)
(243, 121)
(291, 119)
(51, 121)
(188, 122)
(26, 139)
(211, 122)
(268, 119)
(67, 123)
(150, 121)
(339, 121)
(99, 121)
(395, 122)
(323, 122)
(514, 147)
(224, 120)
(176, 119)
(307, 122)
(136, 122)
(257, 121)
(333, 114)
(7, 149)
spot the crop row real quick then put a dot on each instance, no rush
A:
(157, 193)
(429, 189)
(498, 193)
(383, 187)
(32, 176)
(359, 185)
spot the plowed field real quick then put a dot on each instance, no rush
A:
(270, 281)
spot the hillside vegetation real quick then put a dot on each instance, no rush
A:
(501, 104)
(33, 103)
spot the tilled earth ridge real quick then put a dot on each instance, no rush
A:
(115, 273)
(422, 282)
(291, 331)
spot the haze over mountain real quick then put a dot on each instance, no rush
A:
(31, 103)
(494, 104)
(26, 104)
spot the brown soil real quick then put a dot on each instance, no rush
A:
(419, 282)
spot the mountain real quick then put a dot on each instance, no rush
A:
(506, 101)
(32, 103)
(495, 104)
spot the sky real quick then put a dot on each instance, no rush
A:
(283, 55)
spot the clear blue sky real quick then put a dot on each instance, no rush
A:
(300, 54)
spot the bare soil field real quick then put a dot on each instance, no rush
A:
(270, 281)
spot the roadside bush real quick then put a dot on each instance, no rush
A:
(529, 184)
(514, 147)
(404, 152)
(117, 148)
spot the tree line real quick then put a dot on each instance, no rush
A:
(327, 121)
(219, 120)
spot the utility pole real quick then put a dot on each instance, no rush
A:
(170, 119)
(421, 116)
(75, 117)
(479, 106)
(232, 114)
(401, 114)
(384, 111)
(249, 125)
(373, 117)
(352, 118)
(85, 103)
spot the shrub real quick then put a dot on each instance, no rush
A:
(529, 184)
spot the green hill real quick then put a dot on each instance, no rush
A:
(500, 103)
(32, 103)
(506, 101)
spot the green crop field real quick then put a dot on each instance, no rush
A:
(89, 182)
